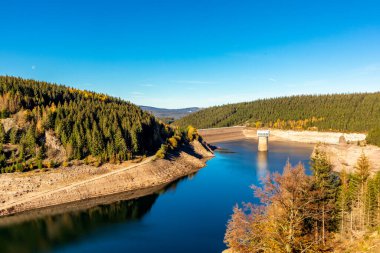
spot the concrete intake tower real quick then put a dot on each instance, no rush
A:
(263, 136)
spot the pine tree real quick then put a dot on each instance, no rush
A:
(326, 183)
(13, 136)
(2, 134)
(371, 203)
(373, 136)
(135, 140)
(121, 145)
(353, 190)
(29, 140)
(362, 169)
(97, 142)
(344, 200)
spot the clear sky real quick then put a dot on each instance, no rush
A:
(181, 53)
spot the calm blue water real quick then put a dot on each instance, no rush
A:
(190, 216)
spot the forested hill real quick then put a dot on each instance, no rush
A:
(78, 124)
(341, 112)
(163, 113)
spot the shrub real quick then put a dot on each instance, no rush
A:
(97, 163)
(4, 114)
(20, 167)
(48, 164)
(161, 153)
(3, 160)
(39, 164)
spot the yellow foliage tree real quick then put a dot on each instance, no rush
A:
(191, 133)
(173, 142)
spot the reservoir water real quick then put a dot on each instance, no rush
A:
(189, 216)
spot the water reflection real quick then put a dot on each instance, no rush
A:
(262, 164)
(46, 233)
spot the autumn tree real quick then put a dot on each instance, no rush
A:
(191, 133)
(280, 223)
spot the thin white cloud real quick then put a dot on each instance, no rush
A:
(272, 79)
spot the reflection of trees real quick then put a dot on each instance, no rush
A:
(44, 233)
(173, 185)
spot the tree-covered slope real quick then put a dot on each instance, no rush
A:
(341, 112)
(87, 124)
(163, 113)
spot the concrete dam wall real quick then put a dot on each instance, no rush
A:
(213, 135)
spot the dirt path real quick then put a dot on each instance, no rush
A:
(31, 197)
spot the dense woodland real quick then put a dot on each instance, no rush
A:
(341, 112)
(88, 125)
(323, 212)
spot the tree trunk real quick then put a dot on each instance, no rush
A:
(351, 223)
(323, 224)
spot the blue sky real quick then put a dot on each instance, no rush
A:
(194, 53)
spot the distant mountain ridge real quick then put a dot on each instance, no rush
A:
(170, 113)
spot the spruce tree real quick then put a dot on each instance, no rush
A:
(344, 200)
(97, 142)
(13, 136)
(326, 183)
(2, 134)
(363, 170)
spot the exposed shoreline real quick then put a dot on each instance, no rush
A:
(143, 178)
(343, 156)
(213, 135)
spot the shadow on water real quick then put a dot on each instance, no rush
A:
(42, 234)
(224, 151)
